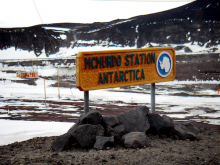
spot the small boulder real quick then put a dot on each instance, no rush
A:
(192, 128)
(117, 135)
(157, 125)
(168, 120)
(72, 129)
(119, 128)
(86, 134)
(136, 140)
(135, 120)
(103, 142)
(111, 132)
(183, 132)
(92, 117)
(144, 109)
(63, 142)
(110, 120)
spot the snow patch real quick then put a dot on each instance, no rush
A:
(14, 130)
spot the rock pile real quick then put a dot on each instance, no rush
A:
(129, 129)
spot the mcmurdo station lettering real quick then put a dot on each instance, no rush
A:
(116, 61)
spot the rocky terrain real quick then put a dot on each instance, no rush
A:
(161, 150)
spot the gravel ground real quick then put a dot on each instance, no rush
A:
(162, 151)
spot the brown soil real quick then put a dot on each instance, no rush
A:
(162, 151)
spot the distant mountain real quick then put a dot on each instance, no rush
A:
(197, 23)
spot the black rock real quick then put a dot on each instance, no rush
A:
(110, 120)
(136, 140)
(192, 128)
(117, 135)
(184, 133)
(86, 134)
(144, 109)
(63, 142)
(135, 120)
(119, 128)
(168, 120)
(92, 117)
(72, 129)
(157, 125)
(103, 142)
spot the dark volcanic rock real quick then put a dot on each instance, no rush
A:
(168, 120)
(103, 142)
(92, 117)
(192, 128)
(119, 128)
(63, 142)
(183, 132)
(117, 135)
(110, 120)
(143, 109)
(72, 129)
(135, 140)
(86, 134)
(135, 120)
(157, 125)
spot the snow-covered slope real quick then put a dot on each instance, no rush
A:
(190, 29)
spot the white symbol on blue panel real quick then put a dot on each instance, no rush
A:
(164, 64)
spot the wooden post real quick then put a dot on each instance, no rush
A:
(45, 93)
(58, 81)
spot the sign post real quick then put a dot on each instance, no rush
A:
(152, 88)
(86, 102)
(126, 67)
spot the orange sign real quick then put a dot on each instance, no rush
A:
(27, 74)
(116, 68)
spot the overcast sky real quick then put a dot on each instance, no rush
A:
(21, 13)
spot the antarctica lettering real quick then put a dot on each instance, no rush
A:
(112, 61)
